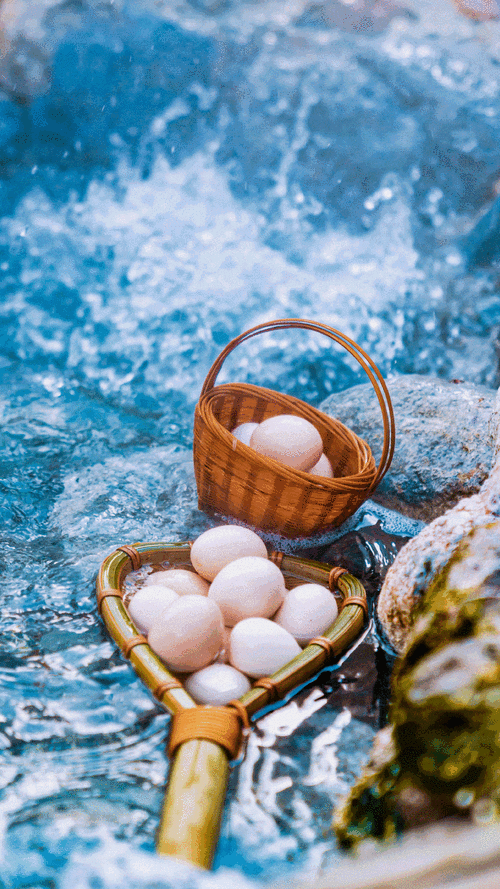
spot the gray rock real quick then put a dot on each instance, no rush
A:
(445, 439)
(423, 558)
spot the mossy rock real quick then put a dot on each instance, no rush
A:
(445, 709)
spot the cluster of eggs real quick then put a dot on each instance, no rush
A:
(290, 439)
(232, 618)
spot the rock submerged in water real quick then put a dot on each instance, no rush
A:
(418, 563)
(439, 756)
(422, 559)
(445, 439)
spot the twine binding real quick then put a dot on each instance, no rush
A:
(276, 557)
(106, 594)
(325, 643)
(133, 555)
(132, 642)
(241, 711)
(333, 578)
(167, 685)
(267, 683)
(355, 600)
(222, 725)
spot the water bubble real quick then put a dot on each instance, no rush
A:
(464, 798)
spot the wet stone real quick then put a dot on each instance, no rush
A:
(423, 559)
(445, 437)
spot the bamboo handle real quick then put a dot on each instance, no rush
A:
(193, 803)
(352, 347)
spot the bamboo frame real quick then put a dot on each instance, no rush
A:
(190, 820)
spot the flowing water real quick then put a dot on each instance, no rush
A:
(170, 174)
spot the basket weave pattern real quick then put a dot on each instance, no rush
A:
(234, 480)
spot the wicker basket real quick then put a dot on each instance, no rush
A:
(235, 481)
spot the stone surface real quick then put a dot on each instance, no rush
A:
(439, 757)
(445, 436)
(417, 564)
(421, 560)
(439, 607)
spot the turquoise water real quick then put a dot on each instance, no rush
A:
(172, 173)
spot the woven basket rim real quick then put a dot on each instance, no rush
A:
(340, 483)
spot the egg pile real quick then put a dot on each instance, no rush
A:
(292, 440)
(230, 620)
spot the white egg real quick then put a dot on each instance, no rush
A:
(243, 432)
(259, 647)
(216, 547)
(322, 467)
(248, 587)
(148, 603)
(188, 635)
(216, 684)
(307, 611)
(289, 439)
(184, 582)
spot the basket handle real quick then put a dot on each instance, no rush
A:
(352, 347)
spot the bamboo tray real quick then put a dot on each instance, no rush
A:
(190, 821)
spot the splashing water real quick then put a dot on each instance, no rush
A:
(172, 173)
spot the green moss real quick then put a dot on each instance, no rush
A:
(372, 811)
(445, 708)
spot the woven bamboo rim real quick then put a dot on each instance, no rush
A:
(217, 736)
(233, 480)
